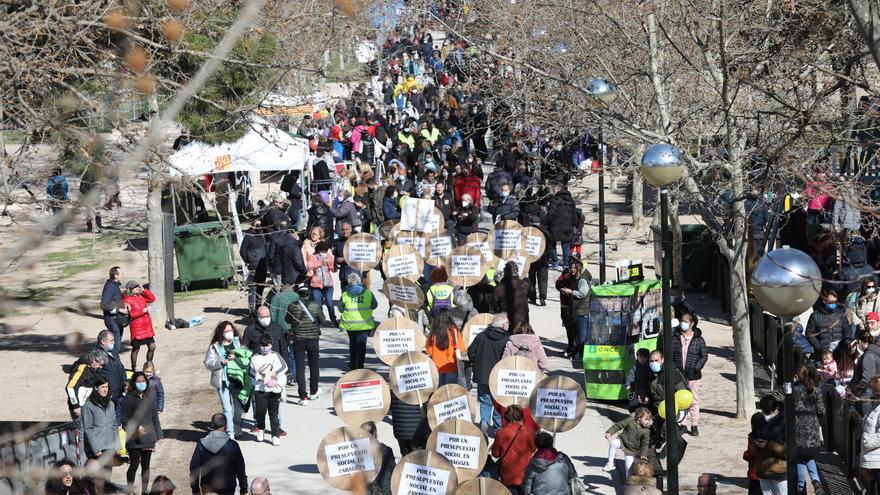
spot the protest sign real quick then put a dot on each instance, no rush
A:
(414, 239)
(506, 238)
(396, 336)
(386, 228)
(348, 453)
(439, 248)
(403, 292)
(521, 260)
(557, 403)
(403, 261)
(534, 243)
(424, 472)
(362, 252)
(482, 486)
(482, 242)
(475, 326)
(413, 377)
(463, 444)
(466, 266)
(512, 380)
(451, 401)
(420, 215)
(360, 396)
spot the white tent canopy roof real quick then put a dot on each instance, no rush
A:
(264, 147)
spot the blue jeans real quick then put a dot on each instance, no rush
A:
(486, 409)
(566, 253)
(232, 408)
(806, 464)
(583, 323)
(291, 360)
(110, 323)
(325, 296)
(447, 378)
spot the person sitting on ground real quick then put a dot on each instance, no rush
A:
(642, 481)
(524, 342)
(550, 471)
(382, 484)
(217, 462)
(633, 435)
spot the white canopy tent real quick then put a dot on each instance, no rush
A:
(263, 148)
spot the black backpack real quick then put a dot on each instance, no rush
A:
(58, 190)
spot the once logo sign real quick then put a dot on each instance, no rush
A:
(349, 457)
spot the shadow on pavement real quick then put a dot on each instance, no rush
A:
(304, 468)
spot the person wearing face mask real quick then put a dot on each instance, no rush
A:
(867, 367)
(768, 435)
(863, 302)
(390, 211)
(508, 206)
(467, 183)
(827, 323)
(223, 349)
(689, 353)
(657, 392)
(268, 369)
(113, 371)
(467, 219)
(142, 429)
(99, 426)
(265, 326)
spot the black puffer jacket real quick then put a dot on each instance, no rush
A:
(857, 269)
(560, 217)
(285, 257)
(253, 247)
(485, 352)
(826, 326)
(320, 216)
(697, 355)
(405, 418)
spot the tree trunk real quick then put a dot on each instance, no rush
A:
(638, 192)
(675, 225)
(742, 346)
(155, 231)
(868, 19)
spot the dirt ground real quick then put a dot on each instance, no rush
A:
(52, 295)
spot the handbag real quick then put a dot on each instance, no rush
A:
(122, 319)
(494, 470)
(576, 486)
(461, 366)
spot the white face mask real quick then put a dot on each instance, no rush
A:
(684, 326)
(228, 335)
(265, 321)
(768, 417)
(875, 333)
(870, 290)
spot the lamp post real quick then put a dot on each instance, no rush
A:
(662, 166)
(786, 282)
(605, 93)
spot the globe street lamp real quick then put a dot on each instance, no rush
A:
(604, 92)
(786, 282)
(662, 165)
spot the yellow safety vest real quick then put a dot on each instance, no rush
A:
(440, 291)
(357, 311)
(490, 276)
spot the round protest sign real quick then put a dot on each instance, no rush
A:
(512, 380)
(481, 242)
(348, 453)
(439, 248)
(424, 472)
(362, 252)
(506, 238)
(396, 336)
(558, 403)
(413, 377)
(534, 243)
(482, 486)
(522, 263)
(385, 228)
(360, 396)
(403, 261)
(475, 326)
(415, 239)
(466, 266)
(451, 401)
(463, 444)
(403, 292)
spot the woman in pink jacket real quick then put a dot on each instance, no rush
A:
(321, 266)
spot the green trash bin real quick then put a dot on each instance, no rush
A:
(202, 254)
(697, 248)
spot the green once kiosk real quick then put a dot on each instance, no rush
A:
(624, 317)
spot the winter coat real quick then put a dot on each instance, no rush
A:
(278, 305)
(382, 484)
(467, 220)
(389, 209)
(826, 326)
(658, 385)
(516, 443)
(376, 198)
(697, 355)
(216, 464)
(320, 216)
(856, 269)
(99, 427)
(253, 248)
(255, 331)
(560, 217)
(286, 257)
(512, 296)
(870, 457)
(264, 367)
(467, 184)
(463, 309)
(633, 437)
(808, 407)
(867, 367)
(346, 212)
(548, 473)
(445, 204)
(140, 411)
(62, 193)
(141, 323)
(80, 384)
(111, 296)
(508, 209)
(639, 376)
(213, 357)
(495, 181)
(405, 418)
(530, 344)
(301, 326)
(114, 373)
(485, 352)
(846, 216)
(769, 438)
(321, 266)
(157, 390)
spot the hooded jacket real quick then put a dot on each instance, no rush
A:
(216, 464)
(463, 309)
(255, 331)
(857, 268)
(548, 473)
(560, 217)
(511, 295)
(826, 326)
(99, 426)
(696, 357)
(531, 345)
(485, 352)
(867, 368)
(141, 323)
(345, 212)
(320, 216)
